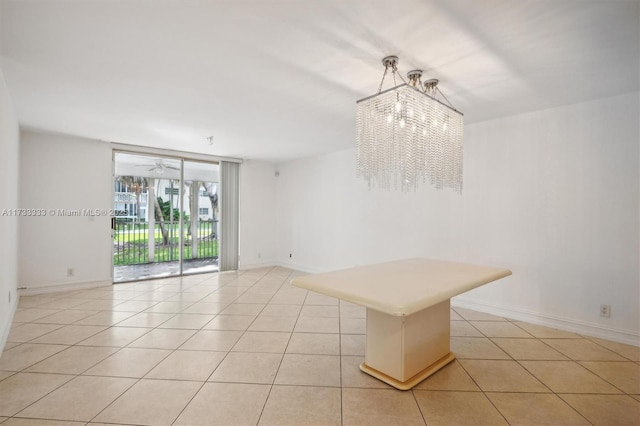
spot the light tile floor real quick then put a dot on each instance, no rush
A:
(247, 348)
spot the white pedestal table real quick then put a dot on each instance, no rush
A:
(408, 311)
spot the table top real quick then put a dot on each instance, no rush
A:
(401, 287)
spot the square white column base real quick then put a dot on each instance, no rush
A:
(404, 350)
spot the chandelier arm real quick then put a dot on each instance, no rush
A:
(401, 78)
(383, 76)
(445, 98)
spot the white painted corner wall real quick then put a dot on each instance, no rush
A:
(553, 195)
(60, 172)
(9, 176)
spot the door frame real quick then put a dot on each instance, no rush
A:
(169, 154)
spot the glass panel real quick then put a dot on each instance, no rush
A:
(147, 207)
(200, 217)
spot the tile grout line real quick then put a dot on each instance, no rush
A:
(569, 359)
(551, 391)
(156, 365)
(82, 373)
(511, 359)
(136, 379)
(484, 393)
(285, 350)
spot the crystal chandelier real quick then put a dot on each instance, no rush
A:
(405, 136)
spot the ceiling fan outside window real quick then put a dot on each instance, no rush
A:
(158, 167)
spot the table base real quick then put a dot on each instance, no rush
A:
(415, 379)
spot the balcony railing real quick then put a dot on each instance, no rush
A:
(132, 247)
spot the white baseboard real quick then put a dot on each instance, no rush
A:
(264, 264)
(4, 333)
(55, 288)
(628, 337)
(301, 268)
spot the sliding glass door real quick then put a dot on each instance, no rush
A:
(165, 217)
(200, 217)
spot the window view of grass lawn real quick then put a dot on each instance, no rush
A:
(131, 242)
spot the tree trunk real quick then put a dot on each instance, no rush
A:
(138, 205)
(213, 199)
(160, 220)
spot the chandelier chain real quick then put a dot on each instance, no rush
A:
(386, 67)
(395, 71)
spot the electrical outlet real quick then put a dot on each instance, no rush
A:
(70, 272)
(259, 255)
(605, 311)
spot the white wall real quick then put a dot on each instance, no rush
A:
(64, 172)
(9, 174)
(552, 195)
(257, 213)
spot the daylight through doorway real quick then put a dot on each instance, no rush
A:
(166, 219)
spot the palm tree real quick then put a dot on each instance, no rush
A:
(159, 216)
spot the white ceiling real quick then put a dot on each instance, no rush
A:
(277, 80)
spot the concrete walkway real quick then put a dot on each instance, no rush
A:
(162, 269)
